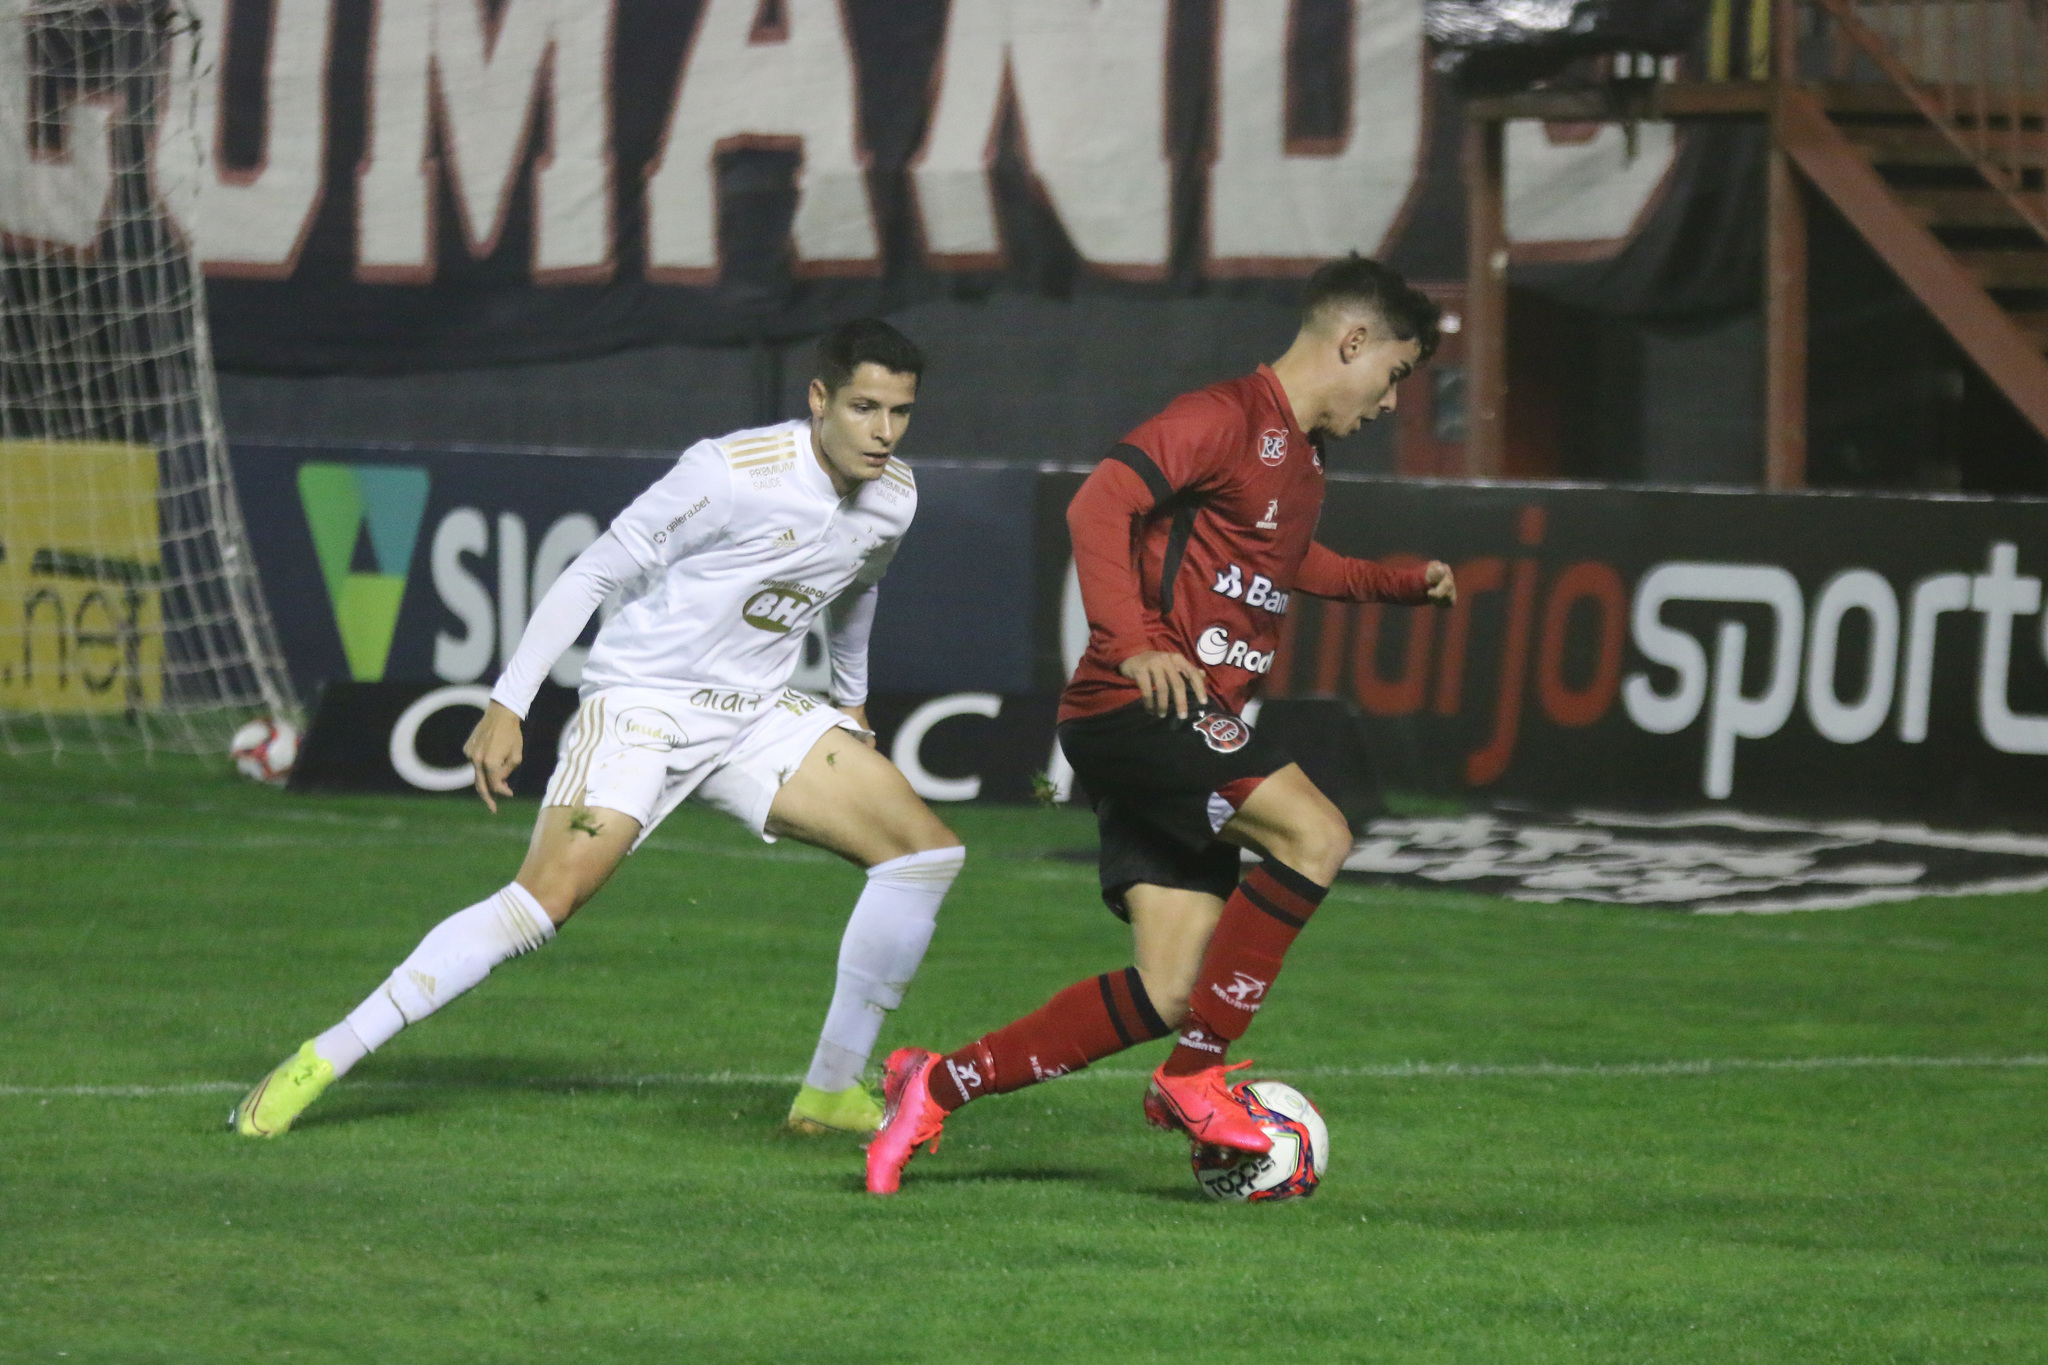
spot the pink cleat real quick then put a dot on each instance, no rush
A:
(1203, 1107)
(910, 1118)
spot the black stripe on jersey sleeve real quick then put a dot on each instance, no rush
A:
(1142, 465)
(1177, 538)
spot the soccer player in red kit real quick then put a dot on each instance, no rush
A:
(1190, 540)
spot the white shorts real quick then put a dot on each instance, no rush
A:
(643, 752)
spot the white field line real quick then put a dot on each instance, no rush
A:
(1710, 1066)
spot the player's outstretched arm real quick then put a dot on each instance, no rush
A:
(494, 749)
(496, 745)
(560, 617)
(1325, 573)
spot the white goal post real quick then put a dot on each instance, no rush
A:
(131, 618)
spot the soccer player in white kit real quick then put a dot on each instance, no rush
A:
(723, 564)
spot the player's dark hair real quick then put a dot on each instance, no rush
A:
(1408, 312)
(865, 341)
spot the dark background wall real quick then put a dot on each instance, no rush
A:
(1013, 377)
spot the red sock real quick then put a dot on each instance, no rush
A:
(1259, 923)
(1087, 1021)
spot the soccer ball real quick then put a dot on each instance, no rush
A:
(265, 750)
(1292, 1170)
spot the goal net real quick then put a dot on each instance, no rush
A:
(130, 614)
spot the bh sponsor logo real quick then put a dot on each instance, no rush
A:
(1214, 646)
(779, 607)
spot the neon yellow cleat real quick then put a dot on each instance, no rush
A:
(818, 1112)
(280, 1097)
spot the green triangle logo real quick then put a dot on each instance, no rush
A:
(338, 499)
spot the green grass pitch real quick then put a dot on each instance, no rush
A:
(581, 1161)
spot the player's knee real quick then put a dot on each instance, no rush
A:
(931, 834)
(917, 832)
(1320, 844)
(935, 865)
(557, 895)
(562, 885)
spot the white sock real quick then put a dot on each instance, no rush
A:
(455, 955)
(886, 936)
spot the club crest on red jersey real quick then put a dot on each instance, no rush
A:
(1272, 447)
(1224, 734)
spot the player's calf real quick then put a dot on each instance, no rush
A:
(456, 954)
(847, 799)
(1259, 924)
(885, 941)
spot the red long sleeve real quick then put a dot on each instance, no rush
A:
(1102, 522)
(1325, 573)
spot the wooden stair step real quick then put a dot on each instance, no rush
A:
(2007, 269)
(1872, 99)
(1896, 145)
(1973, 208)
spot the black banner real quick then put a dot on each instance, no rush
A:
(1811, 654)
(406, 186)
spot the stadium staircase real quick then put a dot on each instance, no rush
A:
(1923, 122)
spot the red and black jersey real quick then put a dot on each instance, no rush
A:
(1193, 536)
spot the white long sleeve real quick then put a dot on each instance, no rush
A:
(848, 623)
(560, 618)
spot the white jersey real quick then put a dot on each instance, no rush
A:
(743, 542)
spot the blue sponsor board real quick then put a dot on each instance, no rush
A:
(416, 565)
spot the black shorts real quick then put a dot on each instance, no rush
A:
(1162, 787)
